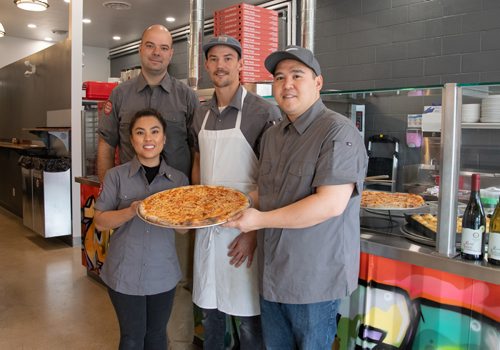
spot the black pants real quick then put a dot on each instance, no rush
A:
(143, 319)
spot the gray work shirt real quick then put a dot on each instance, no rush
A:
(257, 115)
(141, 259)
(173, 99)
(321, 262)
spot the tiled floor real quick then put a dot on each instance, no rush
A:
(47, 301)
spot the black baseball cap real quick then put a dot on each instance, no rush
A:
(222, 40)
(292, 52)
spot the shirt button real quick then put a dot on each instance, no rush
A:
(169, 176)
(220, 120)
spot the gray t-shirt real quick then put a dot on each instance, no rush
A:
(173, 99)
(257, 115)
(142, 259)
(321, 262)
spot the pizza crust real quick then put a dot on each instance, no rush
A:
(193, 206)
(391, 200)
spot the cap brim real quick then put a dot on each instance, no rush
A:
(208, 46)
(276, 57)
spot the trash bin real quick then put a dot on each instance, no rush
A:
(46, 195)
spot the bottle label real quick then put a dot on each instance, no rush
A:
(472, 240)
(494, 246)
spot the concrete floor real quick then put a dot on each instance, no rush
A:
(47, 301)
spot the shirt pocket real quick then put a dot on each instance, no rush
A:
(128, 195)
(300, 176)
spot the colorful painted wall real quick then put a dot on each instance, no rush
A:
(403, 306)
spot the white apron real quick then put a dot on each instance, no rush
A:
(226, 159)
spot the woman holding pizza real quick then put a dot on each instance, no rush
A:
(141, 269)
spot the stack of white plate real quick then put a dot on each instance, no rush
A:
(470, 113)
(490, 109)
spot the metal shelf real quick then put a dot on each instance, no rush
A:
(480, 125)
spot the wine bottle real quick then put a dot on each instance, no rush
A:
(494, 237)
(473, 224)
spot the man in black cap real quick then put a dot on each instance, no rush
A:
(226, 135)
(311, 173)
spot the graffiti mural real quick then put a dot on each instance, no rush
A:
(402, 306)
(94, 242)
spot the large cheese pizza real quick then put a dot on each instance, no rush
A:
(193, 206)
(391, 200)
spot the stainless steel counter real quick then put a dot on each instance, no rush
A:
(390, 243)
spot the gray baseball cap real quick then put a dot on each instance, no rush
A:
(292, 52)
(222, 40)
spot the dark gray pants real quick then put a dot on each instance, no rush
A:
(143, 319)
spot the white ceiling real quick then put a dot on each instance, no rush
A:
(106, 22)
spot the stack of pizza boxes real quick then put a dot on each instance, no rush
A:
(256, 28)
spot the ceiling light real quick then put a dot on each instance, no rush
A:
(116, 37)
(2, 30)
(170, 19)
(66, 1)
(87, 20)
(31, 25)
(47, 39)
(32, 5)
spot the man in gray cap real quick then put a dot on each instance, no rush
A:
(311, 173)
(226, 135)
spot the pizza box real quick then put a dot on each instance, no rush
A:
(246, 8)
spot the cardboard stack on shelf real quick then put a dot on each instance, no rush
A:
(256, 28)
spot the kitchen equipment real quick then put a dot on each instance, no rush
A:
(383, 153)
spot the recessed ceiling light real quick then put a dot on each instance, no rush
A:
(47, 39)
(31, 25)
(66, 1)
(87, 20)
(170, 19)
(116, 37)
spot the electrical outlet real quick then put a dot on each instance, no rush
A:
(13, 191)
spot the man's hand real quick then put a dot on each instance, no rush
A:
(246, 221)
(242, 248)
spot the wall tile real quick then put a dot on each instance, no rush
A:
(442, 26)
(375, 5)
(409, 31)
(483, 20)
(464, 43)
(393, 16)
(363, 22)
(481, 62)
(453, 7)
(424, 48)
(425, 10)
(442, 65)
(391, 52)
(490, 39)
(408, 68)
(362, 55)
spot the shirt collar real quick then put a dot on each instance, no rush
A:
(235, 101)
(136, 166)
(166, 83)
(307, 118)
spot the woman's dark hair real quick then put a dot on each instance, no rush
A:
(147, 112)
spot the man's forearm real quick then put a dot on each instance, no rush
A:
(105, 158)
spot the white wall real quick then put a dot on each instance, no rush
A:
(14, 49)
(96, 65)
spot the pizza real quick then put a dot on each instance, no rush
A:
(193, 206)
(391, 200)
(430, 221)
